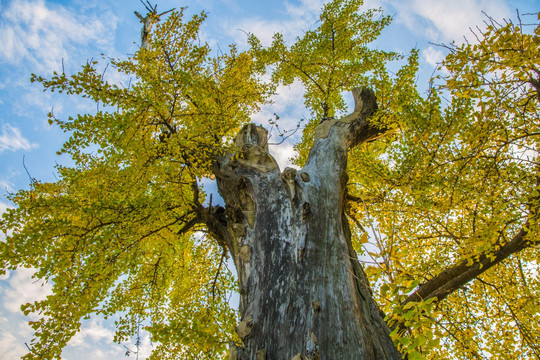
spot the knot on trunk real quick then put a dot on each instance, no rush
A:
(288, 176)
(244, 328)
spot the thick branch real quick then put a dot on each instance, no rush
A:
(365, 105)
(355, 128)
(215, 220)
(536, 84)
(458, 275)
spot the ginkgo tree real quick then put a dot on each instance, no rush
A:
(440, 191)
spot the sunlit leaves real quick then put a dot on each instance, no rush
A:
(329, 60)
(334, 57)
(121, 233)
(456, 183)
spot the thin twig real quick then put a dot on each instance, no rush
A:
(32, 180)
(223, 255)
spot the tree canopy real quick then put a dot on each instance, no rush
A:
(444, 207)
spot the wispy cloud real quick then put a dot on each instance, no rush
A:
(297, 19)
(23, 289)
(432, 55)
(11, 347)
(11, 139)
(97, 331)
(35, 31)
(283, 154)
(288, 104)
(17, 288)
(442, 20)
(3, 208)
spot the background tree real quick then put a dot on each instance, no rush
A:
(126, 230)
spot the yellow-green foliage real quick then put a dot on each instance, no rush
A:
(456, 179)
(117, 234)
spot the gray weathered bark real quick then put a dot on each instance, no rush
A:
(303, 293)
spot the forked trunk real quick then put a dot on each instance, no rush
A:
(303, 293)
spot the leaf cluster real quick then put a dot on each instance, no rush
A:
(121, 233)
(455, 185)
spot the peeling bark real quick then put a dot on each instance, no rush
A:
(303, 294)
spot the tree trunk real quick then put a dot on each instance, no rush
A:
(303, 294)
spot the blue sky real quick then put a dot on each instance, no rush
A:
(38, 36)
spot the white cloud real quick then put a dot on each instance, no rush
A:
(34, 31)
(11, 139)
(432, 55)
(95, 332)
(23, 289)
(443, 20)
(5, 185)
(90, 333)
(3, 208)
(283, 153)
(17, 288)
(296, 20)
(307, 7)
(10, 346)
(94, 340)
(288, 104)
